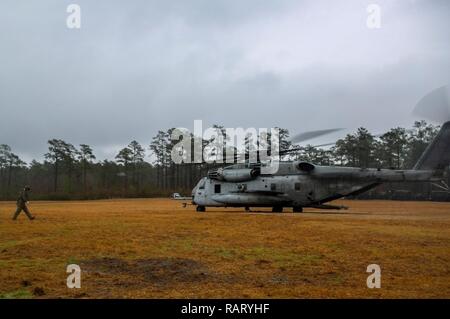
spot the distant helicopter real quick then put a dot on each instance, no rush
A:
(300, 184)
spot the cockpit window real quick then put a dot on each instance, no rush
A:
(202, 184)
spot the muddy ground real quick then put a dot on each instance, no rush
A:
(154, 248)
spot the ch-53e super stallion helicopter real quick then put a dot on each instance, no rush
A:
(299, 184)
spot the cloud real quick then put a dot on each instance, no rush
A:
(134, 68)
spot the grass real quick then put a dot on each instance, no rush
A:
(154, 248)
(18, 294)
(8, 244)
(225, 253)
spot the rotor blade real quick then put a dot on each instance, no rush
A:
(295, 149)
(296, 139)
(434, 106)
(326, 144)
(290, 150)
(312, 134)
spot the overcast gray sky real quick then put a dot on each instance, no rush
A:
(138, 66)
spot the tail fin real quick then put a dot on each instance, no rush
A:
(437, 154)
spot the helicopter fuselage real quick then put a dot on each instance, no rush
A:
(296, 184)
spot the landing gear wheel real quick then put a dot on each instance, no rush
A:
(277, 209)
(297, 209)
(247, 209)
(201, 208)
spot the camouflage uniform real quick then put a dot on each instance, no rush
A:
(22, 204)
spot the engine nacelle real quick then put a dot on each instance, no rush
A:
(235, 175)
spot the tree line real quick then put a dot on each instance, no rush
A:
(73, 172)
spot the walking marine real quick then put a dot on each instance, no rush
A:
(22, 203)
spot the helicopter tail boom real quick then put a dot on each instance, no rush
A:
(437, 154)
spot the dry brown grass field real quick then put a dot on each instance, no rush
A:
(154, 248)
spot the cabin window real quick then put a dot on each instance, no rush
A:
(297, 186)
(273, 187)
(217, 189)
